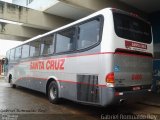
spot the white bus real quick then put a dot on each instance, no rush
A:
(102, 59)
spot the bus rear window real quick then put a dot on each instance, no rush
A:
(132, 28)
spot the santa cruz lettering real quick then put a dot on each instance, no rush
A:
(51, 64)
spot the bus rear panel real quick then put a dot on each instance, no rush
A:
(131, 73)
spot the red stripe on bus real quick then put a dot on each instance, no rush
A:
(63, 81)
(127, 54)
(84, 83)
(31, 78)
(130, 54)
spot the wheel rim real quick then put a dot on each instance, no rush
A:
(53, 92)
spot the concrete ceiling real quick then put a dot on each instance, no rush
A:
(68, 10)
(147, 6)
(75, 12)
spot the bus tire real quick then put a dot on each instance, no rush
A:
(53, 93)
(10, 81)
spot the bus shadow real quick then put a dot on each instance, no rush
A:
(78, 108)
(31, 92)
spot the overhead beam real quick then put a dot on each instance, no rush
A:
(30, 17)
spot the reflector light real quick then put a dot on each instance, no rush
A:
(118, 93)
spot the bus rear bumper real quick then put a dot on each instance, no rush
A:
(111, 97)
(130, 96)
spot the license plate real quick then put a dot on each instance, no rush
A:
(136, 88)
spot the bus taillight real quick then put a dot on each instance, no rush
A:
(110, 79)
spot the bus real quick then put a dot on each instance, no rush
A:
(102, 59)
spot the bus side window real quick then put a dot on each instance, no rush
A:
(47, 45)
(35, 48)
(25, 50)
(12, 53)
(18, 53)
(88, 34)
(65, 40)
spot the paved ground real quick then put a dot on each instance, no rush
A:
(24, 104)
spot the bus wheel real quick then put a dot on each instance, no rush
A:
(53, 92)
(10, 81)
(13, 86)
